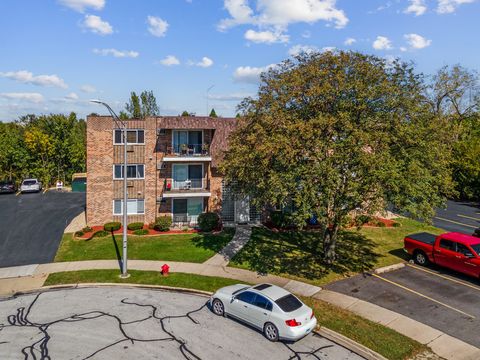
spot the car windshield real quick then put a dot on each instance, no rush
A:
(289, 303)
(476, 248)
(29, 182)
(237, 291)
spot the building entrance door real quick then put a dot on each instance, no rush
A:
(242, 209)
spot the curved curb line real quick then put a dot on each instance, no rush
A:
(389, 268)
(349, 344)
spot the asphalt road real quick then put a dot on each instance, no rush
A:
(123, 323)
(31, 225)
(444, 300)
(458, 216)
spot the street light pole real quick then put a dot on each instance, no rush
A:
(123, 125)
(208, 90)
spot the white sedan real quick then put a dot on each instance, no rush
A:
(30, 185)
(272, 309)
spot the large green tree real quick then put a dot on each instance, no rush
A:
(140, 107)
(332, 133)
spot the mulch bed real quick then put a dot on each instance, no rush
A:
(151, 232)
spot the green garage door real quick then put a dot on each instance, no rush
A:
(79, 185)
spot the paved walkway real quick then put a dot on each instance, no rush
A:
(77, 223)
(22, 278)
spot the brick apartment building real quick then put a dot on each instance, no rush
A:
(172, 170)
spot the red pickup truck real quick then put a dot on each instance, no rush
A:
(456, 251)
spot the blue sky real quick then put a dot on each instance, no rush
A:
(58, 54)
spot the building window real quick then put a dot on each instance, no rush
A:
(134, 207)
(136, 171)
(134, 137)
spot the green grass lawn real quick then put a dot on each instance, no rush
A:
(190, 281)
(182, 247)
(294, 255)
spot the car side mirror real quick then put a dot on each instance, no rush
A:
(233, 298)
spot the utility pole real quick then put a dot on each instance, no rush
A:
(208, 90)
(122, 124)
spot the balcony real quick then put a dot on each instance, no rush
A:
(187, 152)
(186, 188)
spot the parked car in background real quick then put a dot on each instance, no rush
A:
(7, 187)
(30, 185)
(269, 308)
(456, 251)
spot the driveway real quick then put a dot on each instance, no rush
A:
(126, 323)
(458, 216)
(32, 225)
(444, 300)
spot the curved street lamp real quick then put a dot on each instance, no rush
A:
(122, 124)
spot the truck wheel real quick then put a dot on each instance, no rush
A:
(420, 258)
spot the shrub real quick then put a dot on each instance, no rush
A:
(185, 228)
(79, 233)
(112, 226)
(362, 219)
(208, 221)
(141, 232)
(381, 224)
(396, 224)
(87, 229)
(101, 233)
(280, 219)
(163, 223)
(135, 226)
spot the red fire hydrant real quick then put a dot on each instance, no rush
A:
(165, 269)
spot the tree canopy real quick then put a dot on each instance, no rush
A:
(213, 113)
(140, 107)
(332, 133)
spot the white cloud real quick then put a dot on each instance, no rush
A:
(229, 97)
(116, 53)
(416, 41)
(81, 5)
(279, 14)
(417, 7)
(170, 60)
(329, 49)
(96, 25)
(349, 41)
(382, 43)
(268, 37)
(31, 97)
(206, 62)
(157, 26)
(71, 96)
(88, 88)
(297, 49)
(247, 74)
(27, 77)
(449, 6)
(403, 49)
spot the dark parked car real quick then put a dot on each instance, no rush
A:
(7, 187)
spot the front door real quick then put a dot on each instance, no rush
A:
(467, 262)
(242, 209)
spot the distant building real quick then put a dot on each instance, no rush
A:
(172, 170)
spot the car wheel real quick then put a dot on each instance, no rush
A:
(271, 332)
(420, 258)
(218, 308)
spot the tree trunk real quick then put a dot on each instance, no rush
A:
(330, 243)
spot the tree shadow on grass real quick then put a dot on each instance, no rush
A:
(293, 253)
(214, 241)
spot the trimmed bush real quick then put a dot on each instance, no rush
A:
(135, 226)
(79, 233)
(381, 224)
(141, 232)
(362, 219)
(112, 226)
(101, 233)
(208, 221)
(280, 219)
(87, 229)
(396, 224)
(151, 226)
(163, 223)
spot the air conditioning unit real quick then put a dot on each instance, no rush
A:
(130, 183)
(161, 132)
(130, 148)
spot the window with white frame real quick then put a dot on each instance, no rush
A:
(134, 207)
(134, 136)
(134, 171)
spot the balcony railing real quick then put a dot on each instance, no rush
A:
(189, 149)
(191, 184)
(184, 220)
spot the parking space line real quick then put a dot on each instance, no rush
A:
(468, 217)
(455, 222)
(422, 295)
(44, 191)
(18, 193)
(444, 277)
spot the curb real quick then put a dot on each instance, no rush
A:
(389, 268)
(349, 344)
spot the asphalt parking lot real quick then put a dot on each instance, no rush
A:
(442, 299)
(458, 216)
(126, 323)
(31, 225)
